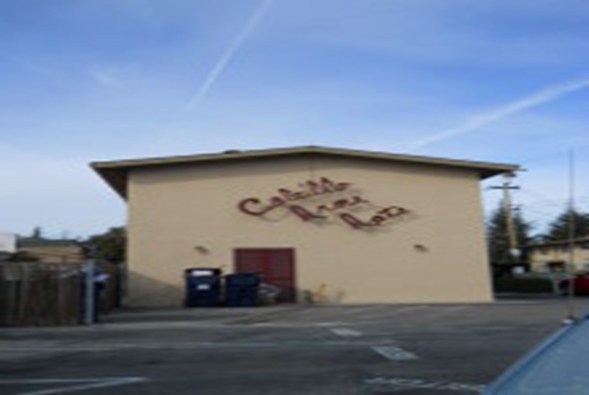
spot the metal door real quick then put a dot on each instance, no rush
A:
(274, 265)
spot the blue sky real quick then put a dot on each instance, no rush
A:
(503, 80)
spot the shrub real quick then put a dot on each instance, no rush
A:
(522, 284)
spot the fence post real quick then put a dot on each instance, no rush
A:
(89, 293)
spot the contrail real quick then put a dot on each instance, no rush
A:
(229, 53)
(477, 122)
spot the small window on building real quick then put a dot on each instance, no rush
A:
(556, 267)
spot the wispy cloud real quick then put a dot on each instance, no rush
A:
(477, 122)
(228, 54)
(105, 78)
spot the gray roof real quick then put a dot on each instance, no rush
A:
(559, 243)
(32, 242)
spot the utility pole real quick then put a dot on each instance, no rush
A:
(572, 314)
(514, 250)
(89, 294)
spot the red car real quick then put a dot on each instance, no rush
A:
(580, 285)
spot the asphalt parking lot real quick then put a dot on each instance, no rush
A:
(376, 349)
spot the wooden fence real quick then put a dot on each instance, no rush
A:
(33, 293)
(39, 294)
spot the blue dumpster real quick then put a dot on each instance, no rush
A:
(203, 287)
(242, 289)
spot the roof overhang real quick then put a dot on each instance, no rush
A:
(115, 173)
(558, 243)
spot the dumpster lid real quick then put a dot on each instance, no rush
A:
(198, 272)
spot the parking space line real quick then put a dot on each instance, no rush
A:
(404, 310)
(363, 310)
(123, 347)
(346, 332)
(395, 353)
(424, 384)
(386, 316)
(91, 383)
(334, 323)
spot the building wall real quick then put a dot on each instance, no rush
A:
(7, 242)
(55, 253)
(181, 217)
(542, 257)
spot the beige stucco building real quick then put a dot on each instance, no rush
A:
(326, 225)
(51, 250)
(556, 256)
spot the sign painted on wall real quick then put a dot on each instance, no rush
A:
(323, 200)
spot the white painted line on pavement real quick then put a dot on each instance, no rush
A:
(148, 326)
(360, 310)
(395, 353)
(408, 310)
(90, 384)
(455, 309)
(124, 347)
(424, 384)
(280, 324)
(346, 332)
(337, 323)
(386, 316)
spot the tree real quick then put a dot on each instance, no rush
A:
(560, 228)
(109, 246)
(498, 236)
(37, 233)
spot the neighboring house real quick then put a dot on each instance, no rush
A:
(51, 250)
(7, 245)
(555, 256)
(324, 225)
(7, 242)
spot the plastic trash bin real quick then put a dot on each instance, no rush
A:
(242, 289)
(203, 287)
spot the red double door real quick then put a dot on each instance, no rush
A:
(276, 266)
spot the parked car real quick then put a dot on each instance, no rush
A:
(580, 285)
